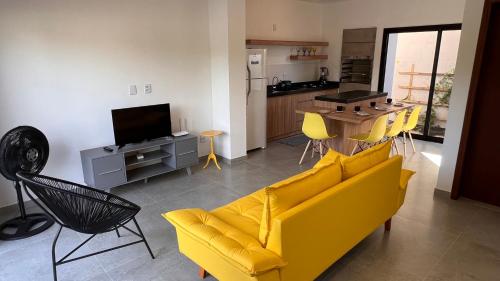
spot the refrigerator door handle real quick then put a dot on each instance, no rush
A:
(249, 82)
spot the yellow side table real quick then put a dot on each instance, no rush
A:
(211, 134)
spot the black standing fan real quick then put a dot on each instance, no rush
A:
(23, 149)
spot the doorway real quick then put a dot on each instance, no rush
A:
(417, 67)
(476, 173)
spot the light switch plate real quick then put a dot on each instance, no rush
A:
(132, 90)
(148, 89)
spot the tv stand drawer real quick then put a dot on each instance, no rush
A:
(186, 153)
(109, 171)
(186, 146)
(187, 159)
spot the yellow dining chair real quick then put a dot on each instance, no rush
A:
(396, 128)
(376, 134)
(410, 125)
(315, 129)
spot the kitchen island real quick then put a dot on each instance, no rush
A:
(348, 123)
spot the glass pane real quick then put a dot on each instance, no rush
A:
(410, 57)
(444, 82)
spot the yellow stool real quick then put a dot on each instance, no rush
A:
(375, 135)
(315, 129)
(211, 134)
(411, 123)
(393, 132)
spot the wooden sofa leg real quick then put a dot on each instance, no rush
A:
(388, 225)
(202, 273)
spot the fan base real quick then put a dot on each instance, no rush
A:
(25, 227)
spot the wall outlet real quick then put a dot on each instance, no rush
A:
(203, 139)
(274, 27)
(132, 90)
(148, 89)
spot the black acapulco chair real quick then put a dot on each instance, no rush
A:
(82, 209)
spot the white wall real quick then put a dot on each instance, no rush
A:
(219, 49)
(294, 20)
(65, 64)
(280, 65)
(460, 92)
(228, 55)
(237, 76)
(340, 15)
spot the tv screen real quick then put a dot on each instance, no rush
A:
(136, 124)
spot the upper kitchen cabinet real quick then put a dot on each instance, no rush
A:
(360, 35)
(286, 43)
(359, 43)
(283, 20)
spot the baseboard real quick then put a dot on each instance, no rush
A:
(231, 161)
(442, 193)
(14, 208)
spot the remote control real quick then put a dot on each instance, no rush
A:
(108, 149)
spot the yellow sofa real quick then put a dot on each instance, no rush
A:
(297, 228)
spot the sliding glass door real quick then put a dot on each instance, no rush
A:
(417, 67)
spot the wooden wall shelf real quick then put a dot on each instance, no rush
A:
(315, 57)
(285, 43)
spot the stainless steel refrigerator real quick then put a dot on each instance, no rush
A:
(256, 98)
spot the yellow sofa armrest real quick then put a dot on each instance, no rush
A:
(403, 184)
(238, 248)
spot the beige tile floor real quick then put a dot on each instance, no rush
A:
(432, 237)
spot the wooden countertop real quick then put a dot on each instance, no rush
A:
(350, 116)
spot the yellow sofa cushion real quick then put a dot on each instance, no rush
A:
(330, 157)
(238, 248)
(245, 213)
(362, 161)
(288, 193)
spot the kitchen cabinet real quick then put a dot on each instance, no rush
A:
(286, 43)
(282, 120)
(359, 35)
(279, 117)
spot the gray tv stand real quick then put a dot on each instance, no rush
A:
(104, 170)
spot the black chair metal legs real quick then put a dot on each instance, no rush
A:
(66, 258)
(82, 209)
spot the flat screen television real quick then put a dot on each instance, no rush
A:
(136, 124)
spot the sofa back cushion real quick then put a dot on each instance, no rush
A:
(289, 193)
(359, 162)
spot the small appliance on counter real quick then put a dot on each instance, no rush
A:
(324, 72)
(181, 132)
